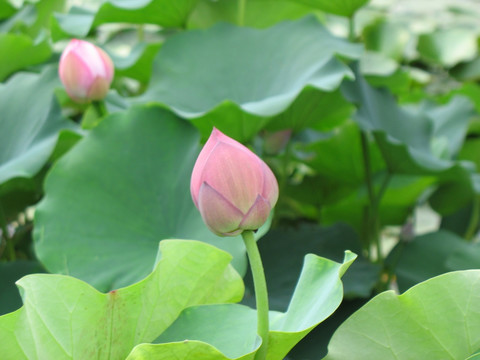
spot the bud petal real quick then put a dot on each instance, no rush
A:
(218, 213)
(86, 71)
(257, 215)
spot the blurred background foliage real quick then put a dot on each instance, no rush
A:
(368, 113)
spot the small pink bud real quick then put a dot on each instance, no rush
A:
(233, 189)
(86, 71)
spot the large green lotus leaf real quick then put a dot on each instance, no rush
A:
(419, 140)
(258, 13)
(65, 318)
(260, 71)
(28, 135)
(229, 331)
(448, 47)
(22, 52)
(116, 194)
(430, 255)
(438, 319)
(337, 7)
(79, 21)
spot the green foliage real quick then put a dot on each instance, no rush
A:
(79, 22)
(373, 109)
(131, 193)
(228, 330)
(65, 318)
(219, 93)
(403, 326)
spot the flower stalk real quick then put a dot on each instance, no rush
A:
(261, 294)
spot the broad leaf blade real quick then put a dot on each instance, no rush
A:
(79, 21)
(65, 318)
(121, 190)
(229, 331)
(252, 71)
(416, 323)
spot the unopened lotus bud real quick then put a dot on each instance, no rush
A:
(233, 189)
(86, 71)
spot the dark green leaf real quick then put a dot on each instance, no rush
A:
(116, 194)
(10, 272)
(251, 73)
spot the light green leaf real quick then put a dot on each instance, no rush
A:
(448, 47)
(22, 52)
(116, 194)
(254, 72)
(65, 318)
(377, 64)
(79, 21)
(229, 331)
(437, 319)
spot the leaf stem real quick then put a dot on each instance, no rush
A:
(367, 166)
(7, 241)
(241, 12)
(474, 219)
(351, 29)
(141, 33)
(261, 294)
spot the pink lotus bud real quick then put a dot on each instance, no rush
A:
(233, 189)
(86, 71)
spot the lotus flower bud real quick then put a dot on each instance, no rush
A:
(233, 189)
(86, 71)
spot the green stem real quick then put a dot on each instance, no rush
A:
(5, 236)
(367, 166)
(376, 216)
(141, 33)
(372, 233)
(241, 12)
(474, 219)
(100, 108)
(351, 29)
(261, 295)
